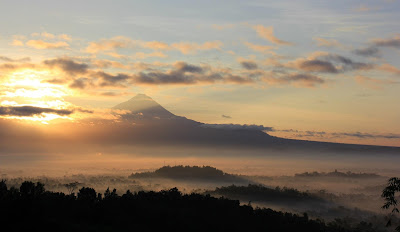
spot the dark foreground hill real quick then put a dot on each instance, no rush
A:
(31, 208)
(204, 173)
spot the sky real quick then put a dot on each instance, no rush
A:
(314, 70)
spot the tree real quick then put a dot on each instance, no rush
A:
(87, 194)
(71, 187)
(3, 188)
(388, 194)
(108, 195)
(28, 189)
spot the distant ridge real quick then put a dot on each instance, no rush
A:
(156, 124)
(145, 106)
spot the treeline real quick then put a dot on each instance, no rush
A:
(187, 172)
(32, 208)
(347, 174)
(261, 193)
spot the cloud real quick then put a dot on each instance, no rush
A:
(109, 44)
(259, 48)
(109, 94)
(67, 65)
(26, 111)
(317, 66)
(348, 64)
(389, 68)
(55, 81)
(249, 65)
(305, 80)
(17, 43)
(226, 116)
(116, 80)
(185, 67)
(191, 48)
(142, 55)
(323, 134)
(183, 73)
(393, 42)
(156, 45)
(79, 83)
(326, 63)
(369, 51)
(109, 64)
(372, 83)
(14, 66)
(268, 34)
(238, 127)
(47, 35)
(368, 135)
(321, 42)
(7, 59)
(40, 44)
(44, 35)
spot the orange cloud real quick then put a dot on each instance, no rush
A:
(40, 44)
(142, 55)
(321, 42)
(156, 45)
(17, 43)
(109, 44)
(389, 68)
(188, 48)
(268, 34)
(373, 83)
(259, 48)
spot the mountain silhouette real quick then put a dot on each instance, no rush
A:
(155, 124)
(142, 105)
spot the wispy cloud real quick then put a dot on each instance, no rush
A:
(392, 42)
(373, 83)
(8, 59)
(260, 48)
(372, 51)
(238, 127)
(40, 44)
(268, 34)
(190, 48)
(321, 42)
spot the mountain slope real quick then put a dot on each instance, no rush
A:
(143, 105)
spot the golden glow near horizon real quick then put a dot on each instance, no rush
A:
(26, 88)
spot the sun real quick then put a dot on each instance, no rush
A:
(31, 88)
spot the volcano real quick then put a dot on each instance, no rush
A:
(144, 106)
(159, 124)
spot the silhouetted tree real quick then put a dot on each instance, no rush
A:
(71, 187)
(29, 190)
(108, 195)
(87, 194)
(388, 194)
(3, 188)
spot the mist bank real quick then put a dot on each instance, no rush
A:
(337, 208)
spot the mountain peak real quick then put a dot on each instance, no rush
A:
(141, 96)
(145, 106)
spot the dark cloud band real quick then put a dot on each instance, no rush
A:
(26, 111)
